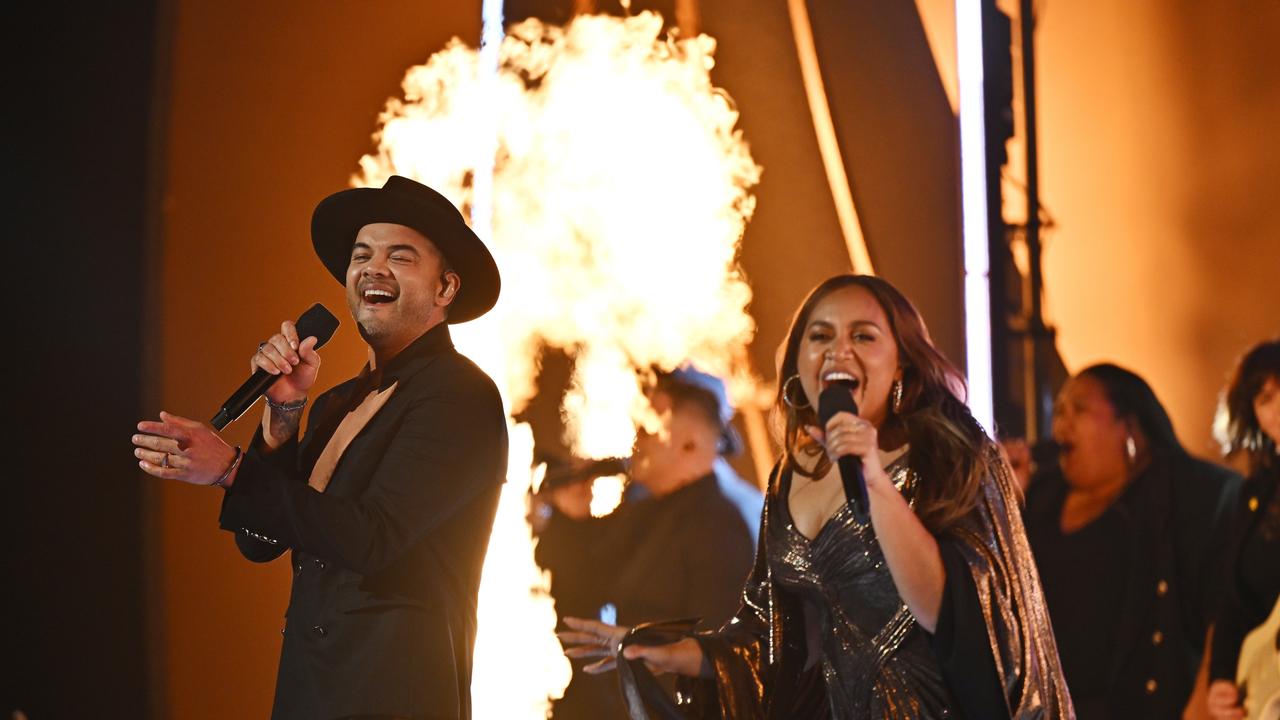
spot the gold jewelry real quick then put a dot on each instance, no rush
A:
(897, 395)
(786, 394)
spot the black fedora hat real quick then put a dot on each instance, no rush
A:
(402, 201)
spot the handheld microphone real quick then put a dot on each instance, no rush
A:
(317, 321)
(564, 477)
(838, 397)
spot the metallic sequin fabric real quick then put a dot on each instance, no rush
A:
(876, 661)
(822, 632)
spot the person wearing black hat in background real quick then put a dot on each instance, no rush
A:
(387, 501)
(678, 546)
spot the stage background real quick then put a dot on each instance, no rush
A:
(169, 156)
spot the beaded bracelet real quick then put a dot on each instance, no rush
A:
(294, 406)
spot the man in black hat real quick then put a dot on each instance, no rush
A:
(679, 546)
(388, 500)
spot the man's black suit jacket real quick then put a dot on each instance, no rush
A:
(386, 562)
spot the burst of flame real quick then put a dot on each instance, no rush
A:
(620, 191)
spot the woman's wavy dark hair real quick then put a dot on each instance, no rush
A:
(1131, 397)
(1242, 432)
(947, 443)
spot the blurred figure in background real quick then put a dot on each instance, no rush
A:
(1251, 583)
(1128, 532)
(680, 545)
(1018, 452)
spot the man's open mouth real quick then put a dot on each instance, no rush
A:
(377, 296)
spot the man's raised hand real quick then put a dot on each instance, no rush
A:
(295, 362)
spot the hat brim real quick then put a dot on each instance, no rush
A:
(340, 216)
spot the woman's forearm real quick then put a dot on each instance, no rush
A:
(911, 552)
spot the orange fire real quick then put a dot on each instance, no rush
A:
(619, 193)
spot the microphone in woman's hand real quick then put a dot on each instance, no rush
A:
(838, 397)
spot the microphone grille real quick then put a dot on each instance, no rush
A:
(317, 321)
(838, 397)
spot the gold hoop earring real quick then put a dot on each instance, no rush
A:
(786, 394)
(897, 396)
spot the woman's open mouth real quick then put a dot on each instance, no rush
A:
(834, 376)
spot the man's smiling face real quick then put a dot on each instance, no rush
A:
(398, 284)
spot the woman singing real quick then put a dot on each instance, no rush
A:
(1252, 402)
(1128, 532)
(933, 608)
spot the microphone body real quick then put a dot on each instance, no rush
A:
(317, 321)
(585, 473)
(838, 397)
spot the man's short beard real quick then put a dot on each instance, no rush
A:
(372, 330)
(377, 331)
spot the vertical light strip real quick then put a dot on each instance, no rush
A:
(491, 34)
(829, 148)
(973, 199)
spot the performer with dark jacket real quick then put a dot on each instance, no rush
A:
(387, 502)
(1128, 533)
(678, 546)
(1251, 580)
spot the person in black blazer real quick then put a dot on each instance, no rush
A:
(1251, 575)
(1128, 532)
(387, 502)
(677, 546)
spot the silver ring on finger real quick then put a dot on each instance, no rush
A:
(164, 462)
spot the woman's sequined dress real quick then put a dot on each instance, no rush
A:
(876, 661)
(823, 633)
